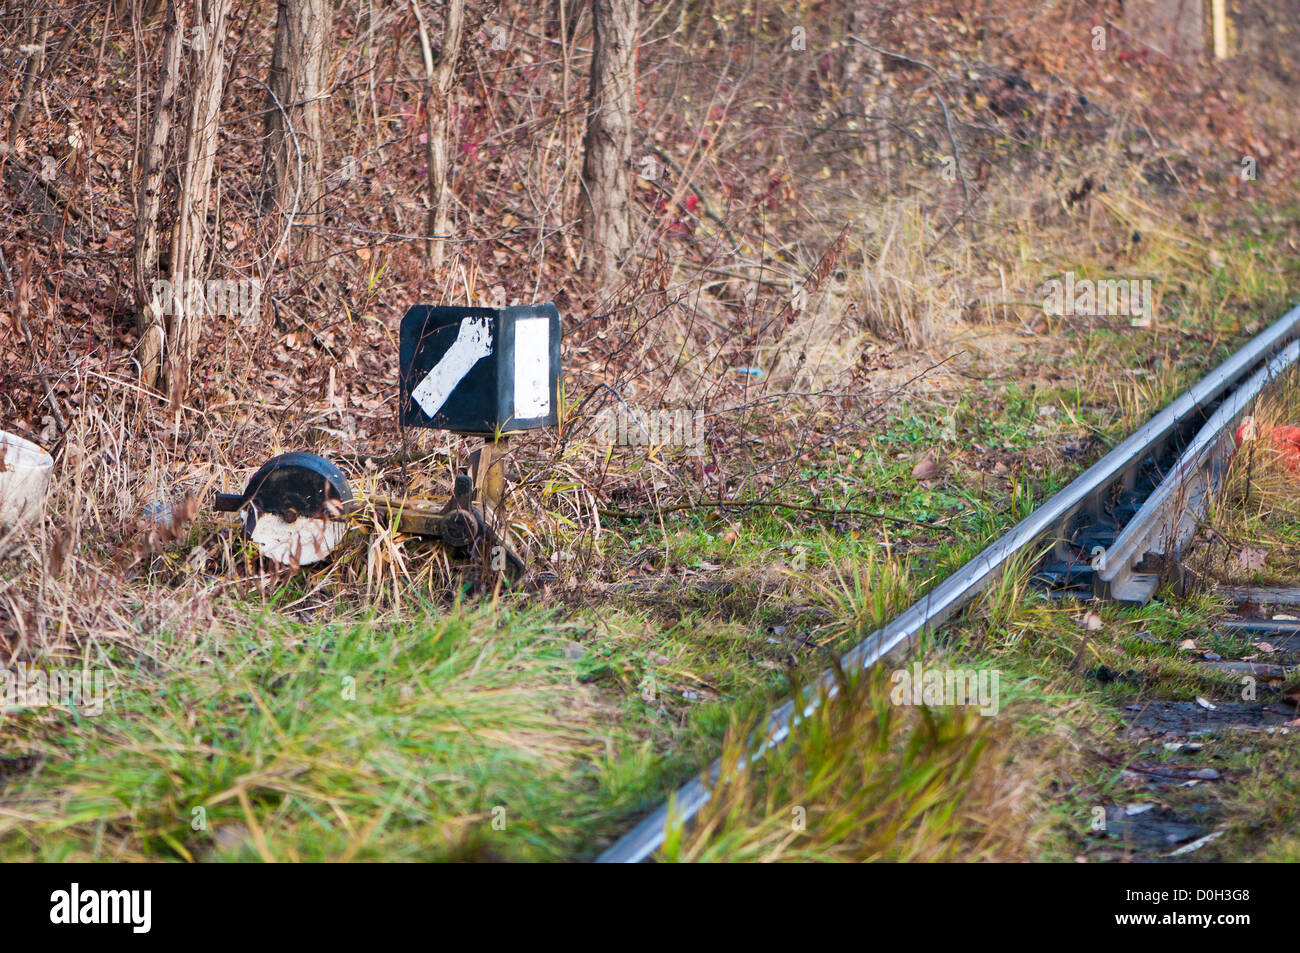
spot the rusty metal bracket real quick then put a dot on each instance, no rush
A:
(461, 525)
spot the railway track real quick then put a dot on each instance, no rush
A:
(1116, 531)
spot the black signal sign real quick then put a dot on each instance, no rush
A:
(481, 370)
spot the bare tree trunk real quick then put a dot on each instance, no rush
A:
(149, 304)
(35, 64)
(293, 157)
(607, 162)
(439, 79)
(207, 77)
(168, 288)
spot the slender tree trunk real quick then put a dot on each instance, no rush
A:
(607, 162)
(169, 297)
(189, 246)
(35, 64)
(440, 77)
(151, 302)
(293, 158)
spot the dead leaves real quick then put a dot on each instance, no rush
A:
(929, 467)
(1251, 560)
(1090, 622)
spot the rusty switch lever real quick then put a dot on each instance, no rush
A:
(460, 524)
(302, 486)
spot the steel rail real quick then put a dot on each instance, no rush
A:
(901, 634)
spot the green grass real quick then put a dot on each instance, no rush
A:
(404, 740)
(866, 780)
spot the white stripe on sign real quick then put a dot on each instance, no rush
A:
(532, 368)
(473, 343)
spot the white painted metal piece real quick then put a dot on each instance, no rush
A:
(473, 343)
(304, 541)
(532, 367)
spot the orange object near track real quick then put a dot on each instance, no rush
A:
(1284, 440)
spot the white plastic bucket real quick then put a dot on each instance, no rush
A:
(24, 477)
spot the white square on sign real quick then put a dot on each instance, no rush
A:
(532, 368)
